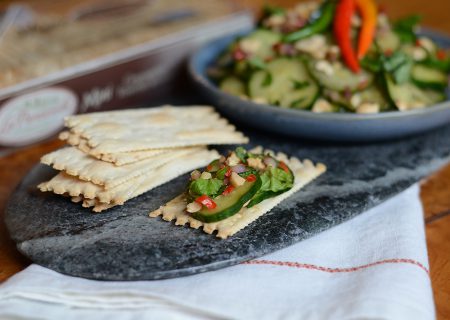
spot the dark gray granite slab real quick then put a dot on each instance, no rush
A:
(124, 244)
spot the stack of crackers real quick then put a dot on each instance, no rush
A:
(118, 155)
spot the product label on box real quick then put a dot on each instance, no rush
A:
(35, 115)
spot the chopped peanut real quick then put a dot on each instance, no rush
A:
(427, 43)
(256, 163)
(367, 107)
(250, 46)
(195, 174)
(236, 180)
(193, 207)
(233, 160)
(206, 175)
(260, 100)
(322, 105)
(355, 100)
(315, 45)
(419, 54)
(325, 67)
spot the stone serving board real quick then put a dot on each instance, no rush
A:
(124, 244)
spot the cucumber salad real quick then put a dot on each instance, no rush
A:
(334, 56)
(243, 179)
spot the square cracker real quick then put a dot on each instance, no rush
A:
(79, 190)
(153, 128)
(118, 158)
(76, 163)
(304, 172)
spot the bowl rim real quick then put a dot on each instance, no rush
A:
(202, 79)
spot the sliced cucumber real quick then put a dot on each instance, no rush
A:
(408, 96)
(426, 77)
(233, 85)
(265, 40)
(285, 82)
(300, 99)
(230, 204)
(338, 99)
(373, 94)
(339, 77)
(387, 41)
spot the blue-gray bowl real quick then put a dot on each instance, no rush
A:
(322, 126)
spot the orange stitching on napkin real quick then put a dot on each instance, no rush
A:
(335, 270)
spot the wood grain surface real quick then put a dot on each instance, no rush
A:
(435, 191)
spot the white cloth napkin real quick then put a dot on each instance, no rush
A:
(374, 266)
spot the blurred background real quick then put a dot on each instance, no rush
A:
(64, 57)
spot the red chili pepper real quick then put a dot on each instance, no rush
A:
(206, 201)
(342, 28)
(251, 178)
(283, 166)
(441, 55)
(229, 172)
(368, 12)
(228, 190)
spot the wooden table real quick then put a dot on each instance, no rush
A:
(435, 192)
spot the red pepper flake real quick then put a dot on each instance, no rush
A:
(276, 47)
(209, 167)
(251, 178)
(388, 52)
(239, 55)
(206, 201)
(363, 84)
(229, 172)
(228, 190)
(283, 166)
(441, 55)
(417, 43)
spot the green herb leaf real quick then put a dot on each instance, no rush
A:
(274, 182)
(257, 63)
(221, 173)
(405, 28)
(210, 187)
(443, 65)
(241, 153)
(276, 179)
(373, 64)
(398, 65)
(250, 171)
(267, 80)
(297, 85)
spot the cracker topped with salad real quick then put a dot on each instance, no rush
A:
(335, 56)
(233, 191)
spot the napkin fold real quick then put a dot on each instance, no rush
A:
(374, 266)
